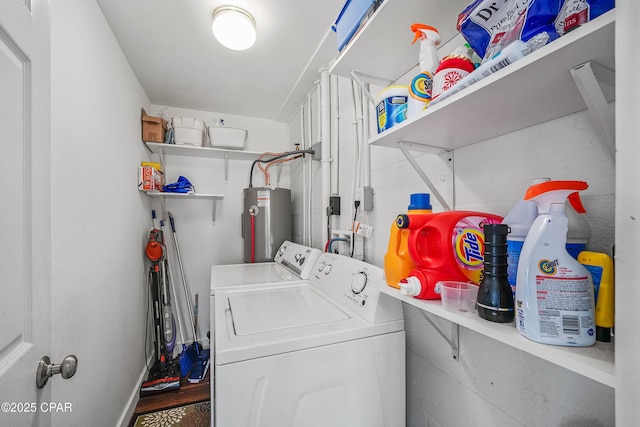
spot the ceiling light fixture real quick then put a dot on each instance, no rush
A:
(234, 28)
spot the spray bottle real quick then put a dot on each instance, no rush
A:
(521, 217)
(554, 292)
(421, 85)
(397, 261)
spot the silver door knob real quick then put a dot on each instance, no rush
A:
(46, 369)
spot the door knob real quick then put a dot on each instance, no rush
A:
(46, 369)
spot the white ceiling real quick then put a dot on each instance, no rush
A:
(179, 63)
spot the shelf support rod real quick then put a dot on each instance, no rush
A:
(586, 77)
(404, 147)
(357, 77)
(226, 170)
(453, 341)
(213, 220)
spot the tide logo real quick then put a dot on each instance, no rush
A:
(470, 247)
(548, 267)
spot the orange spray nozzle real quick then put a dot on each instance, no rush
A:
(422, 32)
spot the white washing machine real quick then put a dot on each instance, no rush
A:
(292, 263)
(328, 351)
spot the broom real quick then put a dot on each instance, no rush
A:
(186, 357)
(199, 364)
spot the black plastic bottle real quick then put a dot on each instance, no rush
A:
(495, 297)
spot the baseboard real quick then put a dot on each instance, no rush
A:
(125, 418)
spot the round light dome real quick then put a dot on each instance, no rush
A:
(234, 28)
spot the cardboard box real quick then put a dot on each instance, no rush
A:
(150, 179)
(153, 128)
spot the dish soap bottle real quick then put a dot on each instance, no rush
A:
(554, 292)
(495, 299)
(422, 84)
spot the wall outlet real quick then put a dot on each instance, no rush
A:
(334, 205)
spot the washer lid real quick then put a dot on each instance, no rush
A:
(249, 274)
(273, 310)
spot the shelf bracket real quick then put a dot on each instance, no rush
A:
(215, 202)
(405, 146)
(358, 77)
(226, 173)
(586, 77)
(453, 341)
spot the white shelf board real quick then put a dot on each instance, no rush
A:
(184, 195)
(383, 48)
(533, 90)
(595, 362)
(206, 152)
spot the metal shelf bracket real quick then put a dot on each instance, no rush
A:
(360, 78)
(586, 77)
(406, 146)
(453, 340)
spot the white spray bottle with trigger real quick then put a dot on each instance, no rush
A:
(554, 292)
(421, 84)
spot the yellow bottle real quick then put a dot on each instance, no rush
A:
(601, 268)
(397, 261)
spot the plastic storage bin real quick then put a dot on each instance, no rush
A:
(188, 131)
(353, 13)
(226, 137)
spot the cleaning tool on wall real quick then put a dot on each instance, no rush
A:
(164, 374)
(495, 300)
(422, 84)
(186, 358)
(601, 268)
(198, 367)
(554, 292)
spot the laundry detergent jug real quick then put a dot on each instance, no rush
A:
(445, 246)
(397, 261)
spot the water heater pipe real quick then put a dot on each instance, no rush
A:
(335, 135)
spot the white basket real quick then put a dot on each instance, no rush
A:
(188, 136)
(226, 137)
(187, 122)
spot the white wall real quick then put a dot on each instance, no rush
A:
(202, 242)
(493, 384)
(99, 220)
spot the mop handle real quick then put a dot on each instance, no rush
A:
(183, 336)
(184, 280)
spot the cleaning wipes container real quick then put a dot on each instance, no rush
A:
(554, 292)
(391, 106)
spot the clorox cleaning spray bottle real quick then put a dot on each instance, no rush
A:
(554, 292)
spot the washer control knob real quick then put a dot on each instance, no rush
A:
(359, 282)
(321, 265)
(301, 260)
(328, 269)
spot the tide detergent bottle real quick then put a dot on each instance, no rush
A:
(445, 246)
(554, 292)
(422, 84)
(397, 261)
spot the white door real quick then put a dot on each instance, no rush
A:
(24, 210)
